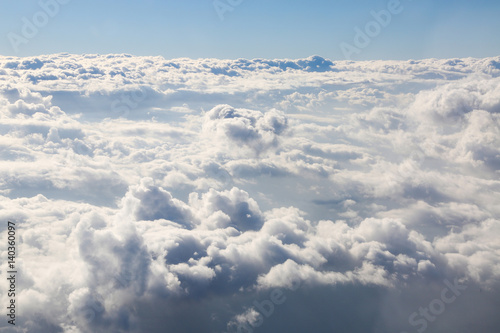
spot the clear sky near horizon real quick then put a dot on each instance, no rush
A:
(251, 28)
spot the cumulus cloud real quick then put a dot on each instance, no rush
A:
(245, 128)
(251, 195)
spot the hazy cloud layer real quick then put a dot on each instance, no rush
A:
(251, 195)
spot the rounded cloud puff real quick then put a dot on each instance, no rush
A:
(245, 128)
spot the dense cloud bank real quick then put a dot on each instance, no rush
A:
(208, 195)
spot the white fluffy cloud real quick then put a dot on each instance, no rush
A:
(250, 195)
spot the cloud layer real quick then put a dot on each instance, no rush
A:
(251, 195)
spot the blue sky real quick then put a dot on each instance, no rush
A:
(256, 28)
